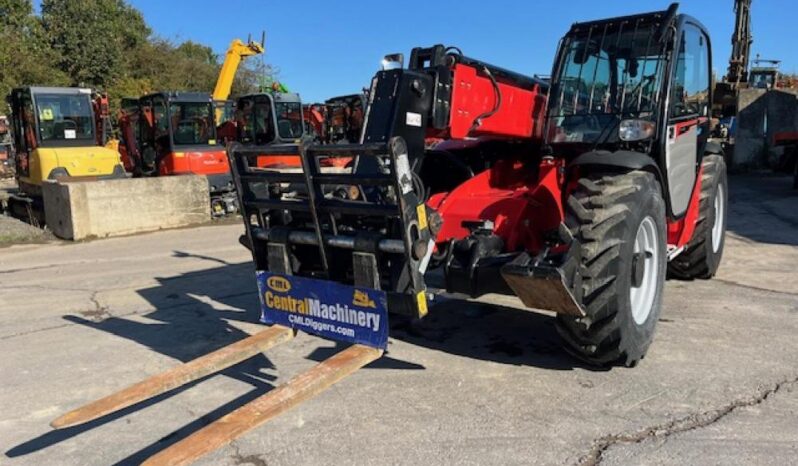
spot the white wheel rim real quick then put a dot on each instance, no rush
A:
(720, 213)
(642, 297)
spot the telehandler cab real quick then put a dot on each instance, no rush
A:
(579, 206)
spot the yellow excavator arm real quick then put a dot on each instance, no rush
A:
(237, 51)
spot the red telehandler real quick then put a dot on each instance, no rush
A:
(581, 208)
(578, 204)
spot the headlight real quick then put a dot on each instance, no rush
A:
(635, 130)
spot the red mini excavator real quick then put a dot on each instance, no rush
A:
(173, 133)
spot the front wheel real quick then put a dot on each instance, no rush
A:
(620, 243)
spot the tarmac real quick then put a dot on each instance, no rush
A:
(474, 383)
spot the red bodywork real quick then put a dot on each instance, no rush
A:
(521, 209)
(522, 203)
(785, 138)
(681, 231)
(206, 161)
(128, 148)
(519, 116)
(202, 160)
(102, 119)
(313, 115)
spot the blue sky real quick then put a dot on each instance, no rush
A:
(329, 48)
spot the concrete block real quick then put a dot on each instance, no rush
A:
(760, 115)
(78, 210)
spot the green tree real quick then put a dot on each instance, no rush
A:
(198, 52)
(93, 38)
(252, 76)
(106, 45)
(25, 55)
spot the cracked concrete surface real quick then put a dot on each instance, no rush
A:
(476, 383)
(686, 424)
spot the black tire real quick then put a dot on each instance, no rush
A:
(604, 215)
(701, 256)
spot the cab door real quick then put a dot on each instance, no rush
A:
(688, 115)
(23, 127)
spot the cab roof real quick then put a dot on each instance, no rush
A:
(668, 16)
(58, 90)
(182, 96)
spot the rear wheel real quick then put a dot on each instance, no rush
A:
(619, 250)
(702, 254)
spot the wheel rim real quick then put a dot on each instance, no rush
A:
(720, 213)
(646, 245)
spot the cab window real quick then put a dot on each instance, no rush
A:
(255, 120)
(64, 117)
(160, 118)
(690, 92)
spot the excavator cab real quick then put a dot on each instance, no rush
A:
(54, 133)
(273, 119)
(270, 118)
(177, 135)
(344, 118)
(174, 133)
(764, 77)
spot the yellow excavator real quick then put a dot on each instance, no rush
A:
(58, 133)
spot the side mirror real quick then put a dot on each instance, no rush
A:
(393, 61)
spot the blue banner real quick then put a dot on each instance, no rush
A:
(324, 308)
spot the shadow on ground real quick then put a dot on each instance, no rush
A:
(192, 317)
(190, 320)
(763, 208)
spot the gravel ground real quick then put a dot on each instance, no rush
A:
(13, 231)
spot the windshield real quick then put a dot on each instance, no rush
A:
(762, 79)
(289, 119)
(224, 111)
(192, 123)
(254, 116)
(64, 117)
(607, 72)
